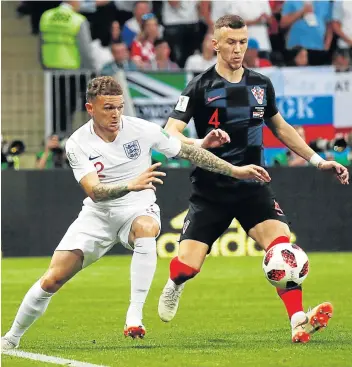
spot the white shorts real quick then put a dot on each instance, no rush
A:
(96, 231)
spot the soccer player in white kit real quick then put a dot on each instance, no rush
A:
(111, 159)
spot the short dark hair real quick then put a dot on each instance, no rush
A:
(159, 41)
(103, 86)
(230, 21)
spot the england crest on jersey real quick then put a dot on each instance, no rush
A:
(258, 94)
(132, 149)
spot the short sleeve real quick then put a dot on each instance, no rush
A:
(330, 11)
(271, 108)
(185, 107)
(164, 143)
(337, 12)
(289, 7)
(79, 162)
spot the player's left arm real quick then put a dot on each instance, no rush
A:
(289, 136)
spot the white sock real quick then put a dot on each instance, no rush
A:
(34, 304)
(297, 317)
(143, 267)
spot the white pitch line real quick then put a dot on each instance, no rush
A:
(49, 359)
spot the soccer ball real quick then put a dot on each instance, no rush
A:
(286, 266)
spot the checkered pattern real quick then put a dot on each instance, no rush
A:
(241, 110)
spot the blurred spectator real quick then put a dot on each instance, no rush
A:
(341, 61)
(102, 55)
(35, 9)
(342, 24)
(257, 15)
(142, 49)
(203, 61)
(10, 154)
(124, 11)
(70, 52)
(213, 10)
(115, 32)
(100, 14)
(289, 158)
(53, 155)
(277, 37)
(182, 32)
(339, 153)
(299, 57)
(309, 27)
(121, 60)
(251, 58)
(349, 148)
(133, 26)
(162, 57)
(210, 11)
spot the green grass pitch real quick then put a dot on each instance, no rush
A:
(229, 315)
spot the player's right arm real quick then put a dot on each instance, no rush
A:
(99, 191)
(87, 176)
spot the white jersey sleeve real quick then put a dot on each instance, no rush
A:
(164, 143)
(79, 162)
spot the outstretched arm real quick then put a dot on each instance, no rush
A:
(215, 138)
(173, 147)
(289, 136)
(210, 162)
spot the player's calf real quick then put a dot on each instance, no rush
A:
(143, 232)
(181, 272)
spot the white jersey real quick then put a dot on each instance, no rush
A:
(122, 160)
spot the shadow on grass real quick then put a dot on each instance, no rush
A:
(240, 342)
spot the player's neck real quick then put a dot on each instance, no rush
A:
(233, 76)
(106, 136)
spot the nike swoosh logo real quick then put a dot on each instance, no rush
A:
(92, 158)
(211, 99)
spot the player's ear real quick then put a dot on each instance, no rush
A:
(215, 45)
(89, 108)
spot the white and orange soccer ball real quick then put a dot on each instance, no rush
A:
(286, 265)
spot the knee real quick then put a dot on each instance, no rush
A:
(52, 281)
(147, 227)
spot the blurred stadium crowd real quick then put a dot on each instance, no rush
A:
(175, 35)
(172, 35)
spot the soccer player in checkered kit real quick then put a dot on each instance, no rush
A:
(229, 105)
(111, 159)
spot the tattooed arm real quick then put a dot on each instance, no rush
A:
(98, 191)
(204, 159)
(210, 162)
(103, 192)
